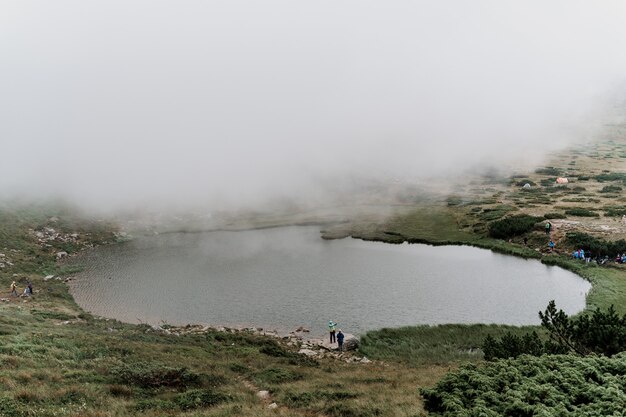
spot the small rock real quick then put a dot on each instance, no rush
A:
(264, 395)
(61, 255)
(272, 406)
(307, 352)
(47, 277)
(365, 360)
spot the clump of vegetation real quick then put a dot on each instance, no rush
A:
(596, 246)
(524, 181)
(454, 200)
(611, 189)
(611, 176)
(581, 212)
(513, 226)
(151, 375)
(548, 171)
(275, 375)
(494, 213)
(549, 385)
(554, 215)
(548, 182)
(614, 211)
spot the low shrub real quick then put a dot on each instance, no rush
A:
(581, 212)
(277, 376)
(548, 171)
(512, 226)
(9, 408)
(615, 211)
(549, 385)
(611, 176)
(554, 215)
(151, 375)
(611, 189)
(118, 390)
(198, 398)
(525, 181)
(577, 240)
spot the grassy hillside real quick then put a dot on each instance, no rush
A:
(57, 360)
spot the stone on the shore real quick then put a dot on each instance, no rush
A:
(272, 406)
(48, 277)
(264, 395)
(61, 255)
(350, 342)
(307, 352)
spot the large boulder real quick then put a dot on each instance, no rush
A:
(350, 342)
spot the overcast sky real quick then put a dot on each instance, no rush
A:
(126, 102)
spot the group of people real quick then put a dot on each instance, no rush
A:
(581, 254)
(28, 290)
(336, 335)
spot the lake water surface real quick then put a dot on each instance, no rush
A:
(288, 277)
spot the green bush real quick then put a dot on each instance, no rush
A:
(611, 176)
(554, 215)
(198, 398)
(581, 212)
(525, 181)
(615, 211)
(151, 375)
(512, 226)
(9, 408)
(277, 376)
(597, 246)
(611, 189)
(548, 171)
(549, 385)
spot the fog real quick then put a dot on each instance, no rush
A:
(114, 104)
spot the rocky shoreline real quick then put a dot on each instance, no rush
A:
(297, 340)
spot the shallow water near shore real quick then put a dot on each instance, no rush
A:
(287, 277)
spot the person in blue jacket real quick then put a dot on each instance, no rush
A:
(340, 340)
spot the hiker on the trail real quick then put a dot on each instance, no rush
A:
(548, 228)
(331, 328)
(525, 241)
(30, 288)
(340, 340)
(14, 289)
(551, 245)
(588, 256)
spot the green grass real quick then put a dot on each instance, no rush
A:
(432, 345)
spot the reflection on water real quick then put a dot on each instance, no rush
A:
(287, 277)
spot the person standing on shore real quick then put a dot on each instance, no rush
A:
(14, 289)
(331, 329)
(340, 340)
(548, 228)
